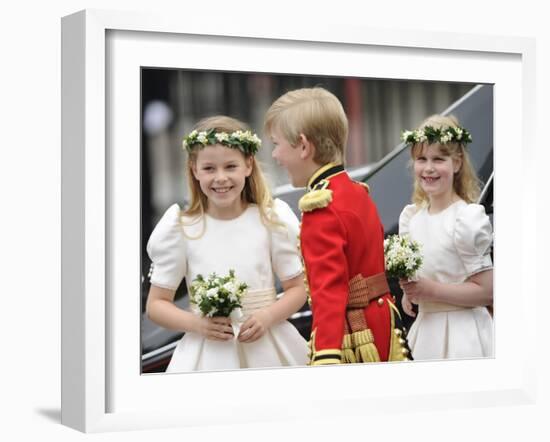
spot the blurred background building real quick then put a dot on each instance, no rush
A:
(174, 100)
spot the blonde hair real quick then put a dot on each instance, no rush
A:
(316, 113)
(256, 190)
(466, 184)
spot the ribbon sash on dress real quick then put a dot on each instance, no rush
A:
(252, 301)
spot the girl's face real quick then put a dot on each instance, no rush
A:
(434, 171)
(221, 172)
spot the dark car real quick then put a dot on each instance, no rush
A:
(390, 182)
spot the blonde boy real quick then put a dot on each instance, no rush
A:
(341, 238)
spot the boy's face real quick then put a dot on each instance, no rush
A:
(290, 158)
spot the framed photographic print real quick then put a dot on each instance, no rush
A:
(111, 63)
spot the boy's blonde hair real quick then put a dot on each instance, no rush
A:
(256, 190)
(316, 113)
(466, 184)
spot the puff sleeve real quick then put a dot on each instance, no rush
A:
(166, 249)
(473, 237)
(285, 257)
(404, 219)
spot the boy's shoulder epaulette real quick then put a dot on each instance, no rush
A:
(317, 198)
(365, 185)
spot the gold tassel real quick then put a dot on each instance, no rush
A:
(367, 353)
(365, 350)
(348, 356)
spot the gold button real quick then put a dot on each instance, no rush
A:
(398, 332)
(380, 301)
(402, 341)
(405, 351)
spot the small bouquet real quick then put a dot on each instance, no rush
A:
(217, 295)
(402, 257)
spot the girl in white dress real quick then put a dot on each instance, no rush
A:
(455, 282)
(231, 223)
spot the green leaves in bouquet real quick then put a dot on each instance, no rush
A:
(402, 256)
(217, 295)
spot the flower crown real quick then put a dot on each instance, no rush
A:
(432, 135)
(247, 142)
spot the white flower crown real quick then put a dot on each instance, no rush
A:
(432, 135)
(245, 141)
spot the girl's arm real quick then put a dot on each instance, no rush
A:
(160, 308)
(293, 299)
(476, 291)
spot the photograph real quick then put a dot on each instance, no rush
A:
(230, 244)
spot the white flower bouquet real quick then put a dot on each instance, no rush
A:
(217, 295)
(402, 257)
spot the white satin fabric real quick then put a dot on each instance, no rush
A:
(282, 345)
(455, 245)
(180, 247)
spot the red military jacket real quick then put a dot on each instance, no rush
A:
(342, 237)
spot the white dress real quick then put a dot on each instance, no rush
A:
(455, 245)
(255, 252)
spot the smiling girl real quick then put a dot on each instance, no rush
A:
(455, 282)
(232, 223)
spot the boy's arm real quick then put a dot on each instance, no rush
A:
(323, 243)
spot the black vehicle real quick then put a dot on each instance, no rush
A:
(390, 182)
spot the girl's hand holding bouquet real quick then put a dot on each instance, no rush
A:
(403, 259)
(218, 299)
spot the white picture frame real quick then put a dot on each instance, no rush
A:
(90, 208)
